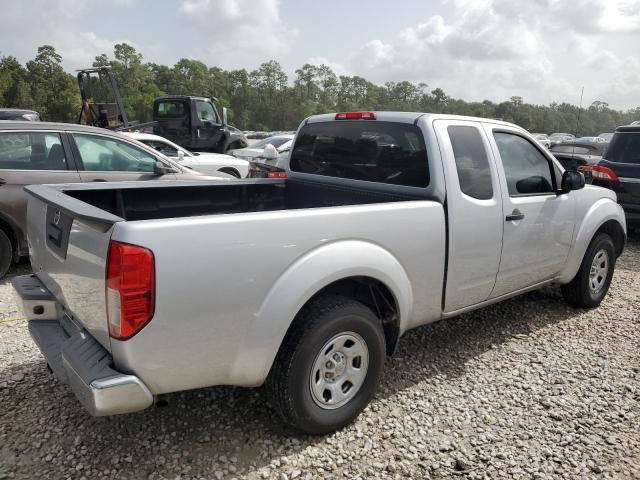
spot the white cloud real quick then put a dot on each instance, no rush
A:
(543, 50)
(53, 22)
(238, 33)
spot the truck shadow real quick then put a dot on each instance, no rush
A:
(200, 431)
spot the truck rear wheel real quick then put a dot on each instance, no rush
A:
(6, 253)
(329, 365)
(590, 285)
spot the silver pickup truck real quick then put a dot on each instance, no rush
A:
(387, 221)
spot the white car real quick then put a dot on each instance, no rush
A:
(207, 163)
(282, 143)
(542, 139)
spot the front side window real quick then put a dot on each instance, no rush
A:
(205, 112)
(472, 164)
(374, 151)
(162, 147)
(528, 172)
(104, 154)
(31, 151)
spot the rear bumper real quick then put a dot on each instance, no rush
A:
(77, 359)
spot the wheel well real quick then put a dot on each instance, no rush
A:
(375, 295)
(230, 171)
(8, 230)
(616, 232)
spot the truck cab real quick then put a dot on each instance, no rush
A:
(195, 124)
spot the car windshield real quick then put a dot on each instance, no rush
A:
(166, 149)
(275, 141)
(624, 148)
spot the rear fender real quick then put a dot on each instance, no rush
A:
(602, 211)
(301, 281)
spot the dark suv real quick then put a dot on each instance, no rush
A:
(39, 152)
(619, 170)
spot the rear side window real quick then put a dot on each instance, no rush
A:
(472, 163)
(31, 151)
(382, 152)
(170, 109)
(624, 148)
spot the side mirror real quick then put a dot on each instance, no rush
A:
(180, 155)
(160, 168)
(269, 152)
(224, 116)
(572, 180)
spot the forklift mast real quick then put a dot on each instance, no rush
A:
(102, 104)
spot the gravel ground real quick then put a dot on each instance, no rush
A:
(529, 388)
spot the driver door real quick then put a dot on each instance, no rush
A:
(538, 222)
(208, 131)
(106, 159)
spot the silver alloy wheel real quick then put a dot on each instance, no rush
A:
(339, 370)
(599, 270)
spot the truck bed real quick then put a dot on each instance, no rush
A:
(233, 260)
(149, 200)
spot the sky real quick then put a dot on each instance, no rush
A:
(542, 50)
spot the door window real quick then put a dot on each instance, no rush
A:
(528, 172)
(31, 151)
(472, 164)
(205, 111)
(104, 154)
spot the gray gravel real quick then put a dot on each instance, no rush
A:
(529, 388)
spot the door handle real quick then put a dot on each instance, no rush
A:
(98, 180)
(515, 216)
(2, 181)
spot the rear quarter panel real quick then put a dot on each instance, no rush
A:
(228, 286)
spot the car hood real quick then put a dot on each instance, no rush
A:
(248, 152)
(204, 157)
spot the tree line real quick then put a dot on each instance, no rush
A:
(265, 99)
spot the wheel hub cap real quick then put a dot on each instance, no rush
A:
(339, 370)
(598, 271)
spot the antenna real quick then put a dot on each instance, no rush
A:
(579, 111)
(577, 123)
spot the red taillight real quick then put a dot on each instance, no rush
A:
(356, 116)
(130, 289)
(604, 173)
(277, 175)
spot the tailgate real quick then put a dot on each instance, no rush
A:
(68, 245)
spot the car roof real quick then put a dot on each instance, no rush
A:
(181, 97)
(411, 117)
(145, 136)
(628, 128)
(61, 127)
(16, 110)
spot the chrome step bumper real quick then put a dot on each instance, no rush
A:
(78, 360)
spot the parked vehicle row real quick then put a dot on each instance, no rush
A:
(207, 163)
(387, 221)
(39, 153)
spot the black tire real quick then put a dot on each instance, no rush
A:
(288, 385)
(579, 292)
(6, 253)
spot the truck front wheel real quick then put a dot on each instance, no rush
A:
(590, 285)
(329, 365)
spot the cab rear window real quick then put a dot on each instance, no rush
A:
(170, 109)
(374, 151)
